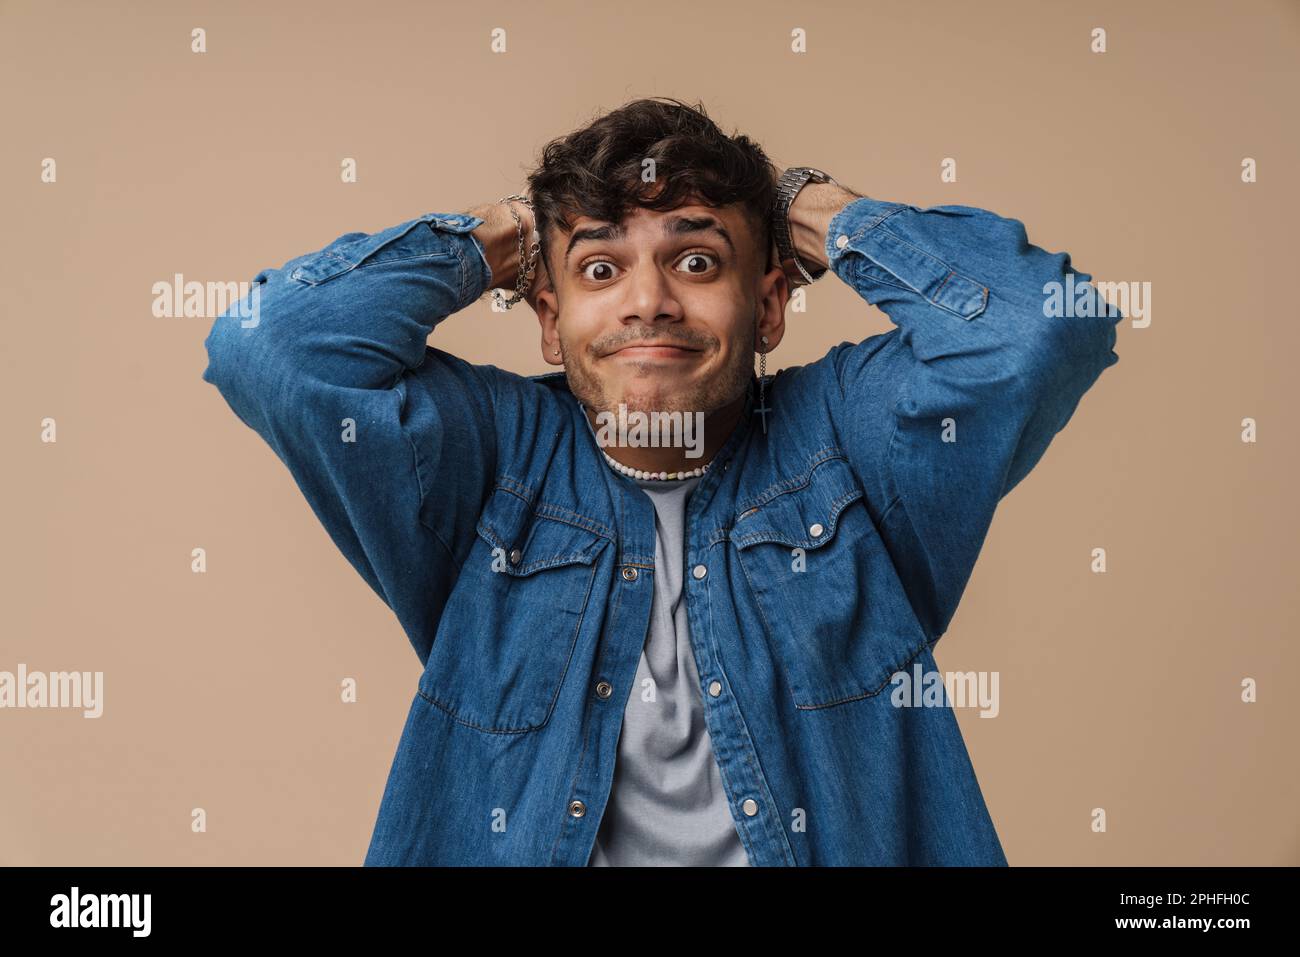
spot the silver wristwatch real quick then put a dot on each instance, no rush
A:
(787, 187)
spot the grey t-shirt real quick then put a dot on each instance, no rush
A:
(667, 806)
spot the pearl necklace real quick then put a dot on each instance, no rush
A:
(658, 476)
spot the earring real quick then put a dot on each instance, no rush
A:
(557, 352)
(762, 409)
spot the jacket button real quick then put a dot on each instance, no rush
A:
(750, 807)
(816, 529)
(629, 573)
(515, 555)
(699, 571)
(577, 808)
(715, 688)
(604, 689)
(841, 241)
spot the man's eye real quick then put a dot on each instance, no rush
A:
(587, 270)
(692, 261)
(696, 263)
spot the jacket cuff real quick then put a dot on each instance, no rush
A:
(850, 223)
(476, 274)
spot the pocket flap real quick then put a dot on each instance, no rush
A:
(802, 515)
(526, 540)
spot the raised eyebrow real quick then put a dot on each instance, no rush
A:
(674, 226)
(607, 232)
(681, 225)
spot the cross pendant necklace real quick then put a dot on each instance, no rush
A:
(762, 410)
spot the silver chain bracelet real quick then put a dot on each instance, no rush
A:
(527, 263)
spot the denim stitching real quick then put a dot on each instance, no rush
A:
(951, 272)
(556, 512)
(585, 555)
(611, 615)
(803, 541)
(768, 630)
(794, 483)
(870, 694)
(755, 772)
(573, 643)
(775, 646)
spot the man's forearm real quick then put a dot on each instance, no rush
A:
(356, 314)
(925, 267)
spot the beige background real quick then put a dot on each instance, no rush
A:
(1118, 691)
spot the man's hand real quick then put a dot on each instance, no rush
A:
(500, 239)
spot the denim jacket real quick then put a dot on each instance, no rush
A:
(823, 556)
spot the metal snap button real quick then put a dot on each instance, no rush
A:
(577, 808)
(715, 688)
(699, 571)
(604, 689)
(515, 555)
(816, 529)
(841, 241)
(629, 573)
(750, 807)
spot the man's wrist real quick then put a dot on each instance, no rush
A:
(811, 212)
(500, 238)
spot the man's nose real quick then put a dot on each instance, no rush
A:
(650, 296)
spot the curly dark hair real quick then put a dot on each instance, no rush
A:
(596, 171)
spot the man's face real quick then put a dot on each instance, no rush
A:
(660, 312)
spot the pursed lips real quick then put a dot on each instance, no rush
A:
(654, 349)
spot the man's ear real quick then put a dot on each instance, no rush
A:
(546, 304)
(774, 293)
(548, 315)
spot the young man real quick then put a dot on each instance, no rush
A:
(690, 663)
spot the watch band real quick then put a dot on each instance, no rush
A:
(787, 187)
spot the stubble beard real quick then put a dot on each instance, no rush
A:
(645, 395)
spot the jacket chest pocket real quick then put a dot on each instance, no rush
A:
(509, 629)
(835, 612)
